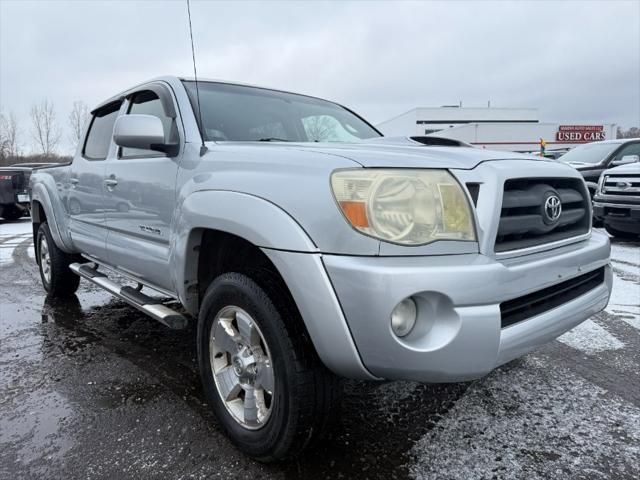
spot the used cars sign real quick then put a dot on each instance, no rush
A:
(580, 133)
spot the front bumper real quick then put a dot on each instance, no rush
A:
(458, 334)
(622, 216)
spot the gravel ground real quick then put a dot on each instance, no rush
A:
(90, 388)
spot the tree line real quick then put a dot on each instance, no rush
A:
(43, 134)
(633, 132)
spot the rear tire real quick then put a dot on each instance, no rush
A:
(621, 234)
(282, 421)
(57, 279)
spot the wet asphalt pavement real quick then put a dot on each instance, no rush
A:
(91, 388)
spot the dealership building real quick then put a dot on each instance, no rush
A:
(514, 129)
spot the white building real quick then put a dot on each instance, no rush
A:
(515, 129)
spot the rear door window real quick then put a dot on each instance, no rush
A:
(98, 141)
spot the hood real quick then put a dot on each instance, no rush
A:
(629, 168)
(419, 141)
(370, 154)
(395, 154)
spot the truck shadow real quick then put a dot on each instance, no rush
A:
(370, 436)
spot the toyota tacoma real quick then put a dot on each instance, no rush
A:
(307, 247)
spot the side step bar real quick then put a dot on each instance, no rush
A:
(133, 297)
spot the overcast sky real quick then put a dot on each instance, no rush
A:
(577, 61)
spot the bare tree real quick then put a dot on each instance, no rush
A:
(44, 129)
(77, 119)
(4, 143)
(12, 136)
(8, 136)
(633, 132)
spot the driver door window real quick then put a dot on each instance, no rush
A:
(633, 149)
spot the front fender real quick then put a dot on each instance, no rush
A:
(288, 246)
(252, 218)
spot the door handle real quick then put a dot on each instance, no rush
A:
(74, 181)
(110, 183)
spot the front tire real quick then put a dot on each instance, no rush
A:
(57, 279)
(260, 373)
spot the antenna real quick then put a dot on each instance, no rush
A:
(203, 148)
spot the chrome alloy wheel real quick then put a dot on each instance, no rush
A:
(242, 367)
(45, 259)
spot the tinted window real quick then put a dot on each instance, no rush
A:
(240, 113)
(148, 103)
(98, 139)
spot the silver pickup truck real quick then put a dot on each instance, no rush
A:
(307, 247)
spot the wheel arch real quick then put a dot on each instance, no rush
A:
(224, 214)
(44, 209)
(218, 252)
(219, 231)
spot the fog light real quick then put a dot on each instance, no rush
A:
(403, 317)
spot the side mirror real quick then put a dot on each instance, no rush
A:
(142, 131)
(626, 160)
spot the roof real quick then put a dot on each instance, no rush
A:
(172, 80)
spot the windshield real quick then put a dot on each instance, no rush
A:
(589, 153)
(239, 113)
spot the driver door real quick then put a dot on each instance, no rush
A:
(139, 198)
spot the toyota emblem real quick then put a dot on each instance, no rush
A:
(552, 208)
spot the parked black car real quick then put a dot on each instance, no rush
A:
(14, 192)
(591, 159)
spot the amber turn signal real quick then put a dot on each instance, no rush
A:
(356, 212)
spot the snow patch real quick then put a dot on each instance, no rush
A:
(590, 338)
(537, 422)
(15, 228)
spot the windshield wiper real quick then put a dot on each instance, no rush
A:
(273, 139)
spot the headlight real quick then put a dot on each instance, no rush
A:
(410, 207)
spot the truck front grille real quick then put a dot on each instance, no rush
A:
(536, 211)
(621, 185)
(536, 303)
